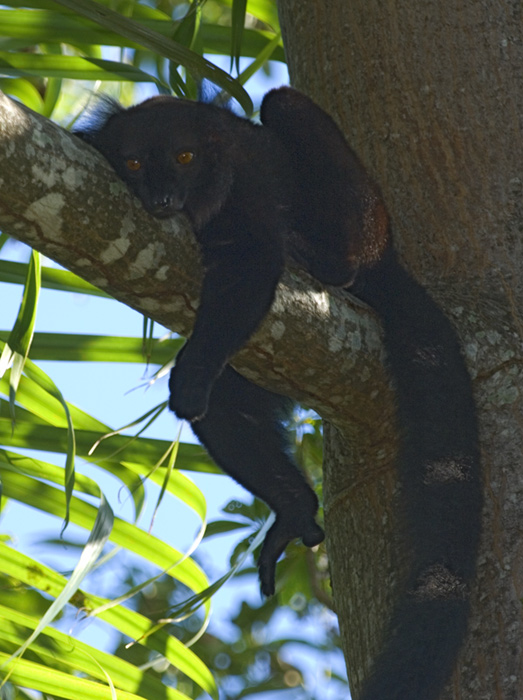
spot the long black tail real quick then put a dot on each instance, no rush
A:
(342, 226)
(441, 486)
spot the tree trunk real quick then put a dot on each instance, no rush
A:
(430, 96)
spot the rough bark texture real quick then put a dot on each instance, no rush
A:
(431, 97)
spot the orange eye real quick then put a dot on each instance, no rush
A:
(133, 164)
(185, 157)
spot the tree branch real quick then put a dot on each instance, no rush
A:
(62, 198)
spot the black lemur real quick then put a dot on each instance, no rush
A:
(293, 187)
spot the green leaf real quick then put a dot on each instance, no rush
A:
(58, 684)
(20, 337)
(44, 26)
(51, 278)
(42, 380)
(189, 606)
(34, 433)
(91, 552)
(130, 623)
(154, 41)
(24, 91)
(266, 11)
(239, 8)
(73, 67)
(48, 499)
(72, 347)
(16, 349)
(216, 39)
(38, 469)
(59, 650)
(262, 58)
(220, 527)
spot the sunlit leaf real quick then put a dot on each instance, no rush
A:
(130, 623)
(59, 651)
(91, 552)
(51, 278)
(24, 91)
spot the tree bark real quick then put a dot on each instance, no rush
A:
(430, 96)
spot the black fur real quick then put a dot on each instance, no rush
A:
(236, 192)
(440, 475)
(293, 186)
